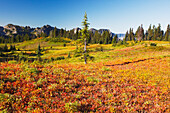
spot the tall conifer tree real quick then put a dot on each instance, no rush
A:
(167, 36)
(85, 35)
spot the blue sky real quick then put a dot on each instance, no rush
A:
(116, 15)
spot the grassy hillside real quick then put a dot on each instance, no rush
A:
(131, 78)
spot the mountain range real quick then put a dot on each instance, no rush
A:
(13, 30)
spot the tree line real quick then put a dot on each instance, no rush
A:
(152, 33)
(104, 38)
(17, 38)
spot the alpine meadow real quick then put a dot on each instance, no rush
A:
(117, 61)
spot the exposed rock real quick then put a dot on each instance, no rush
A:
(45, 29)
(102, 30)
(11, 29)
(93, 30)
(77, 29)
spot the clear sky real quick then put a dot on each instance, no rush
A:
(116, 15)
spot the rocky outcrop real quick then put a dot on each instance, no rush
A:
(13, 29)
(10, 30)
(102, 30)
(77, 29)
(93, 30)
(45, 29)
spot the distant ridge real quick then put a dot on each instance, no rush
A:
(10, 29)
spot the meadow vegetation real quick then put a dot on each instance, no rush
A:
(131, 77)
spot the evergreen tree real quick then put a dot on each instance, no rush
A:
(154, 32)
(95, 38)
(90, 37)
(124, 41)
(161, 35)
(18, 38)
(106, 37)
(69, 56)
(150, 33)
(26, 37)
(132, 35)
(11, 48)
(85, 35)
(71, 34)
(55, 31)
(129, 35)
(102, 37)
(61, 32)
(5, 40)
(110, 39)
(12, 39)
(158, 33)
(39, 52)
(5, 48)
(22, 38)
(146, 35)
(167, 36)
(76, 35)
(2, 39)
(14, 48)
(136, 33)
(126, 36)
(65, 33)
(140, 33)
(115, 39)
(51, 34)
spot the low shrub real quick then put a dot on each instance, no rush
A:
(60, 58)
(52, 59)
(153, 44)
(114, 44)
(64, 45)
(99, 49)
(12, 62)
(69, 56)
(132, 44)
